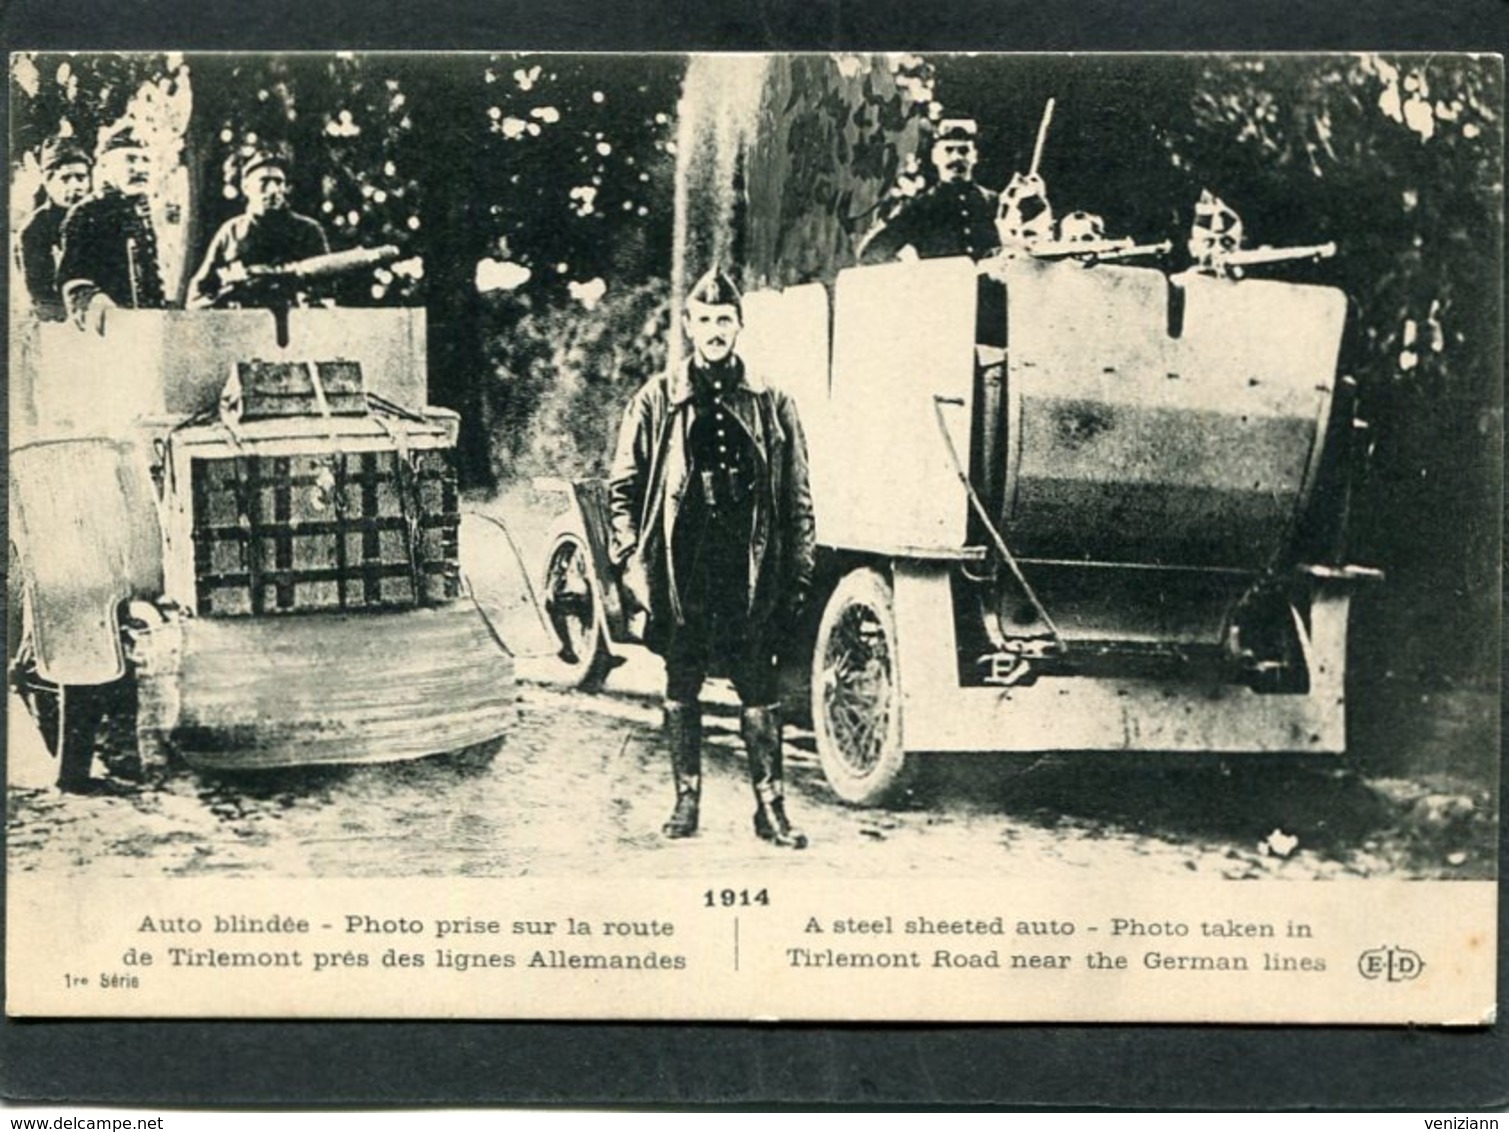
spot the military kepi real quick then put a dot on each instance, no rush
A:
(58, 152)
(261, 158)
(716, 289)
(123, 136)
(957, 129)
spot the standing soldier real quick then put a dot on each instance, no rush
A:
(951, 217)
(67, 174)
(268, 234)
(109, 252)
(713, 533)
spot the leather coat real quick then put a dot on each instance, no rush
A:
(650, 478)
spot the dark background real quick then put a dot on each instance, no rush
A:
(1121, 1066)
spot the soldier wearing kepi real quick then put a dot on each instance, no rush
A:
(109, 247)
(951, 217)
(713, 532)
(67, 172)
(268, 234)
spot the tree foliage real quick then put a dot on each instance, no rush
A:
(560, 377)
(1399, 160)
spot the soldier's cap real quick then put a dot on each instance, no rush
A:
(261, 158)
(717, 290)
(957, 129)
(123, 136)
(58, 152)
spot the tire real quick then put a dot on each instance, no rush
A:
(856, 691)
(574, 608)
(43, 698)
(68, 716)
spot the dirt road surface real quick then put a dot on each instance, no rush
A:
(580, 786)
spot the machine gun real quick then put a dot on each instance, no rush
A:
(1216, 237)
(265, 285)
(1232, 264)
(276, 286)
(1097, 251)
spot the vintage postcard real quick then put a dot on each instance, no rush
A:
(807, 537)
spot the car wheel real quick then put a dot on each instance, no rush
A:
(575, 612)
(856, 691)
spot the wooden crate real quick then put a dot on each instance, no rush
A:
(300, 389)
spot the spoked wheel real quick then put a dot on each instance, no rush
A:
(575, 612)
(856, 691)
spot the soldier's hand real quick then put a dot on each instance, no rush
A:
(97, 311)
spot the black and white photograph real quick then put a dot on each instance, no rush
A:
(894, 536)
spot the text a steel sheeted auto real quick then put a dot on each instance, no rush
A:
(249, 521)
(1117, 527)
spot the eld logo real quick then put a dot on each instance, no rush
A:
(1396, 964)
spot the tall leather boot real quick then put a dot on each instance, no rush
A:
(683, 735)
(761, 728)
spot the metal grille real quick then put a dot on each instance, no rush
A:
(342, 530)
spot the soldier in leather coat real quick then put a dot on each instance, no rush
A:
(713, 532)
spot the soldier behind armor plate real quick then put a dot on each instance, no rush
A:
(268, 234)
(713, 532)
(109, 248)
(67, 171)
(952, 217)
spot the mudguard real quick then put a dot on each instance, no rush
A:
(499, 583)
(85, 526)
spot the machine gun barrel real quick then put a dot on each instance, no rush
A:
(329, 264)
(1098, 249)
(1251, 257)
